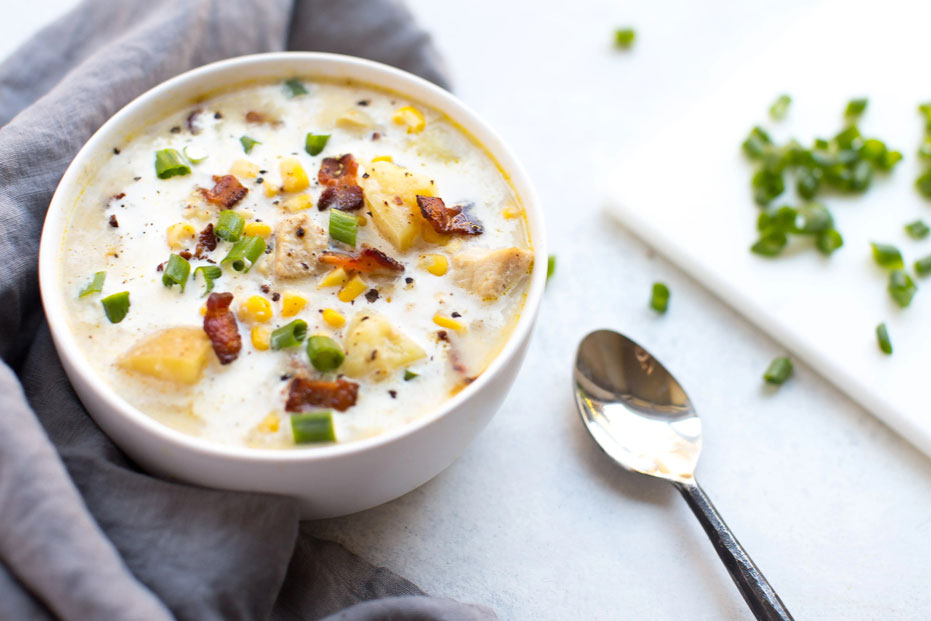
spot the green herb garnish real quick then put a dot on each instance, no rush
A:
(882, 337)
(901, 287)
(923, 266)
(116, 306)
(624, 38)
(343, 227)
(195, 155)
(295, 88)
(778, 371)
(855, 107)
(917, 229)
(230, 226)
(169, 163)
(315, 143)
(550, 266)
(326, 355)
(94, 286)
(244, 253)
(176, 272)
(887, 256)
(313, 427)
(780, 107)
(409, 375)
(659, 300)
(209, 273)
(247, 143)
(289, 335)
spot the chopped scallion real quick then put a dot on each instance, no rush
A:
(315, 143)
(624, 38)
(247, 143)
(313, 427)
(659, 300)
(289, 335)
(243, 255)
(230, 226)
(813, 218)
(778, 371)
(550, 266)
(882, 337)
(923, 183)
(917, 229)
(343, 226)
(94, 286)
(195, 155)
(855, 107)
(326, 354)
(210, 273)
(409, 375)
(116, 306)
(887, 256)
(829, 241)
(169, 163)
(923, 266)
(901, 287)
(770, 244)
(757, 143)
(295, 88)
(176, 272)
(780, 107)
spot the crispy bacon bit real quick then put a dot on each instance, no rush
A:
(342, 197)
(366, 260)
(339, 177)
(447, 220)
(192, 121)
(185, 254)
(113, 221)
(206, 240)
(221, 328)
(259, 117)
(304, 393)
(226, 192)
(117, 197)
(333, 171)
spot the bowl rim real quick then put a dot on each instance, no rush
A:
(68, 190)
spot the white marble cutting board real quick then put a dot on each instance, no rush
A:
(686, 192)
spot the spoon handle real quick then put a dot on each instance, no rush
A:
(754, 587)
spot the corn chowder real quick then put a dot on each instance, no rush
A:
(293, 263)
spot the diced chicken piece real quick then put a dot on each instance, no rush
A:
(298, 244)
(490, 273)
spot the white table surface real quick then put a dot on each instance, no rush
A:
(533, 520)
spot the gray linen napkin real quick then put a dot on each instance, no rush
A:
(83, 533)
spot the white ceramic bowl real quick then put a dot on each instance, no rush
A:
(328, 481)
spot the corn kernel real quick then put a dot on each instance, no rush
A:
(260, 337)
(180, 235)
(436, 264)
(292, 304)
(271, 190)
(510, 212)
(352, 289)
(293, 177)
(298, 203)
(334, 278)
(203, 310)
(383, 158)
(270, 424)
(334, 318)
(256, 309)
(244, 169)
(411, 117)
(362, 220)
(258, 228)
(448, 322)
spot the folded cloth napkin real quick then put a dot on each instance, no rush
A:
(83, 533)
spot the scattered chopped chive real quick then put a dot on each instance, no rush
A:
(624, 38)
(887, 256)
(288, 335)
(767, 185)
(230, 226)
(326, 354)
(829, 241)
(116, 306)
(295, 88)
(315, 143)
(780, 107)
(195, 155)
(873, 150)
(210, 274)
(659, 300)
(756, 144)
(94, 286)
(247, 143)
(855, 107)
(169, 163)
(313, 427)
(917, 229)
(244, 253)
(550, 266)
(770, 244)
(923, 183)
(923, 266)
(813, 218)
(848, 139)
(882, 337)
(890, 159)
(901, 287)
(343, 226)
(778, 371)
(176, 272)
(409, 375)
(808, 181)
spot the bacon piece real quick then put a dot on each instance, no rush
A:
(366, 260)
(339, 177)
(342, 170)
(303, 393)
(206, 240)
(226, 192)
(221, 328)
(343, 197)
(447, 220)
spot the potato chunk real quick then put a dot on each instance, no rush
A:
(375, 348)
(174, 355)
(490, 273)
(391, 195)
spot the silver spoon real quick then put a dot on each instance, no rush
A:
(641, 417)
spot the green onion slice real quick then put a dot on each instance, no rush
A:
(923, 183)
(313, 427)
(887, 256)
(94, 286)
(829, 241)
(295, 88)
(116, 306)
(326, 354)
(770, 244)
(901, 287)
(210, 273)
(230, 226)
(917, 229)
(624, 38)
(882, 337)
(247, 143)
(550, 266)
(289, 335)
(243, 255)
(315, 143)
(813, 218)
(757, 143)
(169, 163)
(176, 272)
(923, 266)
(409, 375)
(780, 107)
(855, 107)
(195, 155)
(659, 301)
(778, 371)
(343, 226)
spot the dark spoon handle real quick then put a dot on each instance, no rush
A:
(754, 587)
